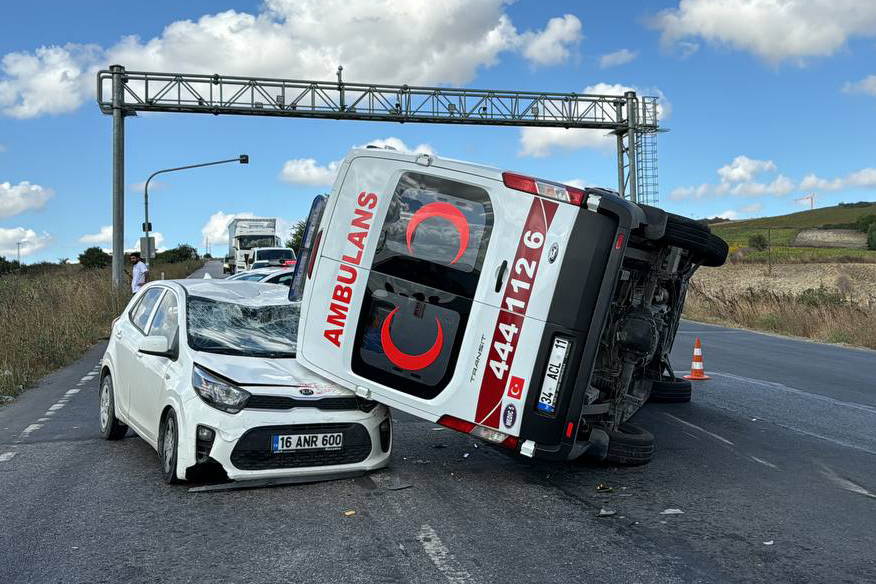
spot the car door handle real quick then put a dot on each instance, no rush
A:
(501, 275)
(118, 334)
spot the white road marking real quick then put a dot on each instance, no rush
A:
(7, 456)
(54, 407)
(43, 420)
(87, 378)
(846, 484)
(49, 413)
(703, 430)
(441, 556)
(73, 391)
(763, 462)
(31, 428)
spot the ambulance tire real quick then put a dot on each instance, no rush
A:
(629, 445)
(708, 249)
(670, 392)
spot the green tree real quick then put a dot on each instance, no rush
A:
(7, 266)
(180, 253)
(63, 261)
(758, 242)
(94, 257)
(297, 235)
(871, 236)
(865, 221)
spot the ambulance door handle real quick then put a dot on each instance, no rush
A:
(501, 275)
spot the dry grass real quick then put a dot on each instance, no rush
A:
(49, 320)
(816, 313)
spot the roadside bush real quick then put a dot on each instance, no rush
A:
(7, 267)
(758, 242)
(51, 319)
(864, 222)
(94, 257)
(871, 236)
(180, 253)
(817, 313)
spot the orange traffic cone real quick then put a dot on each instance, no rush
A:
(696, 367)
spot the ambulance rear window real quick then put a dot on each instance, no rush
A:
(436, 233)
(408, 336)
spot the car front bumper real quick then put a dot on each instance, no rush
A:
(242, 441)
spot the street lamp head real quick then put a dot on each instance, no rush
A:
(244, 158)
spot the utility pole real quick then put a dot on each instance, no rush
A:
(18, 255)
(118, 73)
(769, 252)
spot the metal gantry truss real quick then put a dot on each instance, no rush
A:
(633, 120)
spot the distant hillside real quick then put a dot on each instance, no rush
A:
(844, 214)
(783, 230)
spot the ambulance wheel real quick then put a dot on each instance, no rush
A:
(629, 445)
(670, 392)
(707, 249)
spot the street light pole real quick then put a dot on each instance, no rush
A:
(242, 159)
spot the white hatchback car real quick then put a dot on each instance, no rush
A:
(205, 370)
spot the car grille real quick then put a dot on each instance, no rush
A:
(253, 450)
(279, 402)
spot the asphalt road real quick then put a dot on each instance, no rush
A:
(772, 465)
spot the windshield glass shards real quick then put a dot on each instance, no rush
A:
(251, 331)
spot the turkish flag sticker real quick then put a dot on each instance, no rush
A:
(515, 387)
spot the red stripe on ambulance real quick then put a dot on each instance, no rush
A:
(513, 308)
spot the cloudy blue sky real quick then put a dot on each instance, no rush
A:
(766, 101)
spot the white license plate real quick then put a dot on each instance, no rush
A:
(547, 400)
(293, 442)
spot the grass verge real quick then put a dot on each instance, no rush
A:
(816, 313)
(51, 319)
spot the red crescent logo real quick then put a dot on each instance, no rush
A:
(445, 211)
(404, 360)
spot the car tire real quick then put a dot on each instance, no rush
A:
(707, 249)
(168, 447)
(672, 392)
(629, 445)
(110, 426)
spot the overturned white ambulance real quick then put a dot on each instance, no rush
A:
(528, 313)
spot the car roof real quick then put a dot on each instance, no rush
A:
(235, 291)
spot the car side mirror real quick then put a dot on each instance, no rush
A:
(155, 345)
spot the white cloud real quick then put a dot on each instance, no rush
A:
(399, 145)
(729, 214)
(578, 183)
(551, 46)
(744, 168)
(24, 196)
(216, 227)
(616, 58)
(541, 142)
(774, 30)
(866, 85)
(414, 42)
(738, 179)
(864, 178)
(105, 235)
(306, 171)
(749, 209)
(31, 241)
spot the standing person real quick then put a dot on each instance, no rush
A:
(138, 276)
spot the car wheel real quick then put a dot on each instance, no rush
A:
(666, 391)
(629, 445)
(707, 248)
(168, 446)
(110, 426)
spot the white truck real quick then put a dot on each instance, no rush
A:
(246, 234)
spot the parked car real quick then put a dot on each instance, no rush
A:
(267, 275)
(526, 312)
(205, 371)
(273, 256)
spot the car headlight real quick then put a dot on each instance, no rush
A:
(218, 393)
